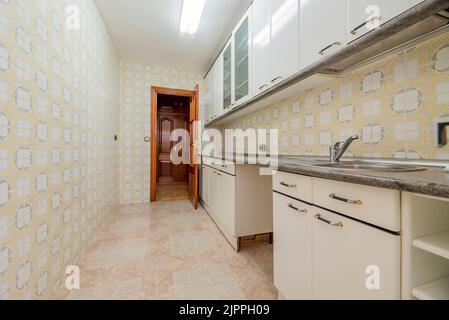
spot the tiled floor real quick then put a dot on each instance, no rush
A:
(167, 250)
(167, 192)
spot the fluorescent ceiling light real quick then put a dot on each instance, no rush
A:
(192, 10)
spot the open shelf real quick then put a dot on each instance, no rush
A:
(435, 290)
(437, 244)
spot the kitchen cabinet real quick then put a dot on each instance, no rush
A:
(284, 39)
(352, 260)
(261, 44)
(275, 40)
(292, 247)
(322, 29)
(365, 15)
(328, 246)
(241, 56)
(227, 76)
(238, 199)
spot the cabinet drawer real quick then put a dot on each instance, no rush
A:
(380, 207)
(294, 185)
(350, 258)
(221, 165)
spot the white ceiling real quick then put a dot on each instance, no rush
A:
(147, 31)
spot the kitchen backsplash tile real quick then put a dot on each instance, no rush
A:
(391, 104)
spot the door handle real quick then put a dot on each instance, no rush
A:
(335, 197)
(334, 224)
(291, 186)
(354, 31)
(147, 139)
(336, 43)
(291, 206)
(218, 174)
(263, 87)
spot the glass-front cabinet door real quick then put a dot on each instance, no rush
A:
(241, 60)
(227, 76)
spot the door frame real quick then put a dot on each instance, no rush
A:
(155, 92)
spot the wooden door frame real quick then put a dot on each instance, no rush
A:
(155, 91)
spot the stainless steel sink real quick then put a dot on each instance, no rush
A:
(368, 166)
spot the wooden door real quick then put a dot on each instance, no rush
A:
(167, 171)
(193, 156)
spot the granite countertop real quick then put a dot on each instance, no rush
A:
(433, 181)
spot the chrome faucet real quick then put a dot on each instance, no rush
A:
(337, 150)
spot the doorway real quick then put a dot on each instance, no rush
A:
(173, 109)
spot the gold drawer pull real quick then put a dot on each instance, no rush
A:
(291, 206)
(291, 186)
(335, 197)
(354, 31)
(336, 43)
(334, 224)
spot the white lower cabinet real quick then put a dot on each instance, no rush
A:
(292, 247)
(238, 199)
(325, 255)
(352, 260)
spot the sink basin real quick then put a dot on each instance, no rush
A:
(369, 166)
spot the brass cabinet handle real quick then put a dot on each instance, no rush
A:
(284, 184)
(291, 206)
(277, 78)
(263, 87)
(354, 31)
(336, 43)
(335, 197)
(334, 224)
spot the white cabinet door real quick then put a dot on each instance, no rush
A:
(284, 39)
(217, 99)
(322, 29)
(208, 93)
(227, 202)
(292, 247)
(214, 191)
(241, 56)
(366, 15)
(227, 76)
(261, 49)
(352, 260)
(205, 184)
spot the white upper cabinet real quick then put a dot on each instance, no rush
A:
(227, 76)
(217, 83)
(322, 29)
(366, 15)
(241, 45)
(275, 42)
(284, 39)
(261, 45)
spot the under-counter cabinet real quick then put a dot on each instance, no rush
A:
(292, 225)
(353, 260)
(366, 15)
(275, 42)
(238, 199)
(323, 29)
(323, 254)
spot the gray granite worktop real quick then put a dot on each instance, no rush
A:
(433, 181)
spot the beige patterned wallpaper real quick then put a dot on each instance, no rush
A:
(391, 104)
(59, 110)
(136, 82)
